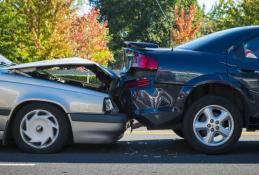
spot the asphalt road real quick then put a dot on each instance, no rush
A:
(142, 152)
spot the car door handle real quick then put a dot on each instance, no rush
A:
(247, 70)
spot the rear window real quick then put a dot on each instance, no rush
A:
(80, 74)
(73, 75)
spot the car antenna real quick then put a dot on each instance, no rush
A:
(163, 12)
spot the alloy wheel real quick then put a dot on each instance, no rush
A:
(213, 125)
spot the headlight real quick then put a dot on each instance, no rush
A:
(110, 107)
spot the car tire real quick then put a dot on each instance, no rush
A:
(40, 128)
(178, 132)
(224, 125)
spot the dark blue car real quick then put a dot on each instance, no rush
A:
(206, 90)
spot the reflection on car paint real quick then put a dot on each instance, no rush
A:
(175, 76)
(156, 98)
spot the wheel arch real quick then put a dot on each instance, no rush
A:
(221, 88)
(7, 133)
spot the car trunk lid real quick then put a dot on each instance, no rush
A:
(106, 76)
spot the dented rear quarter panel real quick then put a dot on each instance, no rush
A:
(161, 104)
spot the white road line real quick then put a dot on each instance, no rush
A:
(17, 164)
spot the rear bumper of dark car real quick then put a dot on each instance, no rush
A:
(97, 128)
(155, 107)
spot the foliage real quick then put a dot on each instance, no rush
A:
(48, 22)
(90, 37)
(187, 28)
(229, 14)
(38, 30)
(13, 32)
(138, 20)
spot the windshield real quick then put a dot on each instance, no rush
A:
(4, 61)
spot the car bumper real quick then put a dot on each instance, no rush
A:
(97, 128)
(1, 135)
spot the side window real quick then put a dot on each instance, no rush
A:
(249, 49)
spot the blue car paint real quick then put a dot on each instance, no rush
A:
(208, 60)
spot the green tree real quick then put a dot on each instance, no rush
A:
(13, 32)
(138, 20)
(29, 29)
(90, 38)
(32, 30)
(229, 14)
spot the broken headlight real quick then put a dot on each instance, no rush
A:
(110, 107)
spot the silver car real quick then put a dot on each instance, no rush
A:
(45, 105)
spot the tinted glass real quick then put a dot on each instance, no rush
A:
(249, 49)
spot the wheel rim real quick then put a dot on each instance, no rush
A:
(39, 129)
(213, 125)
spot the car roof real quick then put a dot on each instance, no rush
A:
(219, 42)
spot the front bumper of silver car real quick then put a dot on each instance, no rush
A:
(98, 128)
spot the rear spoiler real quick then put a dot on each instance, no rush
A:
(140, 45)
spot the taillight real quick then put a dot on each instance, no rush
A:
(137, 83)
(144, 62)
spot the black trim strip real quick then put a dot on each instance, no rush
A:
(5, 112)
(99, 118)
(170, 83)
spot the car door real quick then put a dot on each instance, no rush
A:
(243, 62)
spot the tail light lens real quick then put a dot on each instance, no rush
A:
(144, 62)
(137, 83)
(109, 107)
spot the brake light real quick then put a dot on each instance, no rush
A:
(137, 83)
(144, 62)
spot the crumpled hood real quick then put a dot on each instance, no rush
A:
(74, 61)
(54, 62)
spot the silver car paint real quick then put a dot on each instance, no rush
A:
(93, 134)
(57, 62)
(17, 89)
